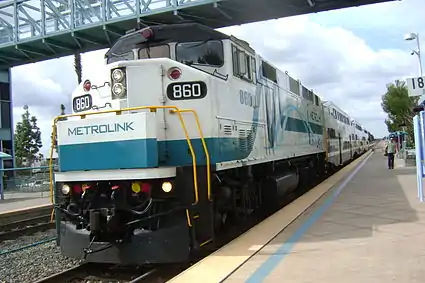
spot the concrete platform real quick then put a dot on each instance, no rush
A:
(363, 224)
(370, 229)
(223, 263)
(16, 201)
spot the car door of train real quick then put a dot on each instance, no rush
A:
(340, 148)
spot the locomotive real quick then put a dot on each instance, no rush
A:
(189, 130)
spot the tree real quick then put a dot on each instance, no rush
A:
(27, 140)
(79, 72)
(399, 108)
(78, 67)
(62, 112)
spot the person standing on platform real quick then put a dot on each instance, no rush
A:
(391, 149)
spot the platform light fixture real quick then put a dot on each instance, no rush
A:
(412, 36)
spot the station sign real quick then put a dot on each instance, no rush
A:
(416, 86)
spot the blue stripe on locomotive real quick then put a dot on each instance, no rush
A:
(150, 153)
(144, 153)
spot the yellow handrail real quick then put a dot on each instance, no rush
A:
(51, 162)
(204, 145)
(173, 108)
(52, 148)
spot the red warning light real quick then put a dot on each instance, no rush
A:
(87, 85)
(174, 73)
(147, 33)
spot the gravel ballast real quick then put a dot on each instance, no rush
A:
(33, 263)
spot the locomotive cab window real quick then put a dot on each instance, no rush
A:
(316, 100)
(160, 51)
(307, 94)
(123, 49)
(243, 64)
(269, 72)
(204, 53)
(115, 57)
(294, 85)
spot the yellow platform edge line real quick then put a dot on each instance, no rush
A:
(215, 267)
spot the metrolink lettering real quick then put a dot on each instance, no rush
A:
(101, 129)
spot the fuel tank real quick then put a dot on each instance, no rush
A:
(276, 187)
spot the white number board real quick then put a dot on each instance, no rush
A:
(416, 86)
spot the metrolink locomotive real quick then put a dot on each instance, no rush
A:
(189, 131)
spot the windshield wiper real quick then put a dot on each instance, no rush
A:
(119, 55)
(215, 73)
(197, 44)
(148, 51)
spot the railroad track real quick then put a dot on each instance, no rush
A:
(93, 272)
(23, 222)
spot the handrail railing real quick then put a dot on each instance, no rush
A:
(173, 109)
(204, 145)
(24, 176)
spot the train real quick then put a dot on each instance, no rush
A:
(189, 131)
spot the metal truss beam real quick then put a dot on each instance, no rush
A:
(23, 20)
(108, 31)
(10, 58)
(79, 38)
(35, 51)
(311, 3)
(217, 7)
(34, 30)
(51, 44)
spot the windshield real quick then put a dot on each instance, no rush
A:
(160, 51)
(120, 57)
(122, 49)
(208, 53)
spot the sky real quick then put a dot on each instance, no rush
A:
(346, 56)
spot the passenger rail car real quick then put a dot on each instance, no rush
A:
(339, 135)
(189, 131)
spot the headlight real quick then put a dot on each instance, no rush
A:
(66, 189)
(167, 187)
(117, 75)
(118, 89)
(118, 83)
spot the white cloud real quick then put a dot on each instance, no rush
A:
(45, 85)
(333, 60)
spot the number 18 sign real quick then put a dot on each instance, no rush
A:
(416, 86)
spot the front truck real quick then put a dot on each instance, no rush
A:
(114, 204)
